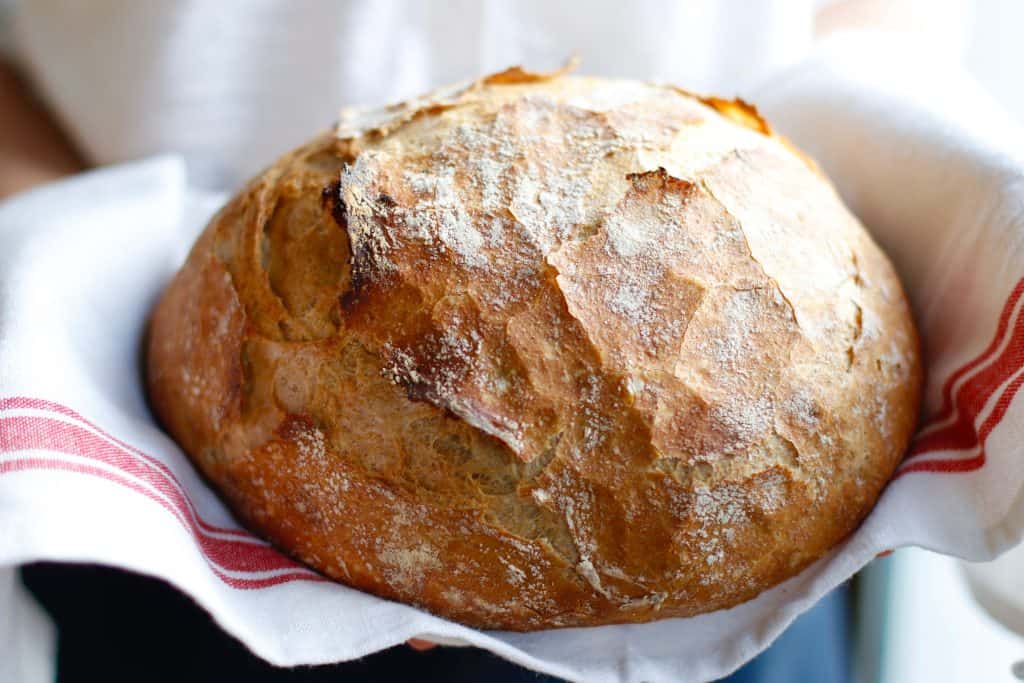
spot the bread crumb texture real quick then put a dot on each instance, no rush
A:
(542, 350)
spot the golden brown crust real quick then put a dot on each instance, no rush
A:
(542, 351)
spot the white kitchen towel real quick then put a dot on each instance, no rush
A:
(933, 168)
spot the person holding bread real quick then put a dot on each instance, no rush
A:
(439, 261)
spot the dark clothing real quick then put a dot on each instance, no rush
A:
(112, 625)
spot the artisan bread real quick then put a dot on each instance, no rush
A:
(542, 351)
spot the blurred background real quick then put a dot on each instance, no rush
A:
(231, 84)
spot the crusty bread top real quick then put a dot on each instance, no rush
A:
(543, 350)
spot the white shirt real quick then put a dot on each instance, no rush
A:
(232, 84)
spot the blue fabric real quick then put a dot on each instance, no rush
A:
(816, 647)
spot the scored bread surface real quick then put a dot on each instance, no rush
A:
(542, 351)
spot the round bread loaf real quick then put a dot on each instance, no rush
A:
(542, 351)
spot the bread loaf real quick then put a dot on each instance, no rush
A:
(542, 351)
